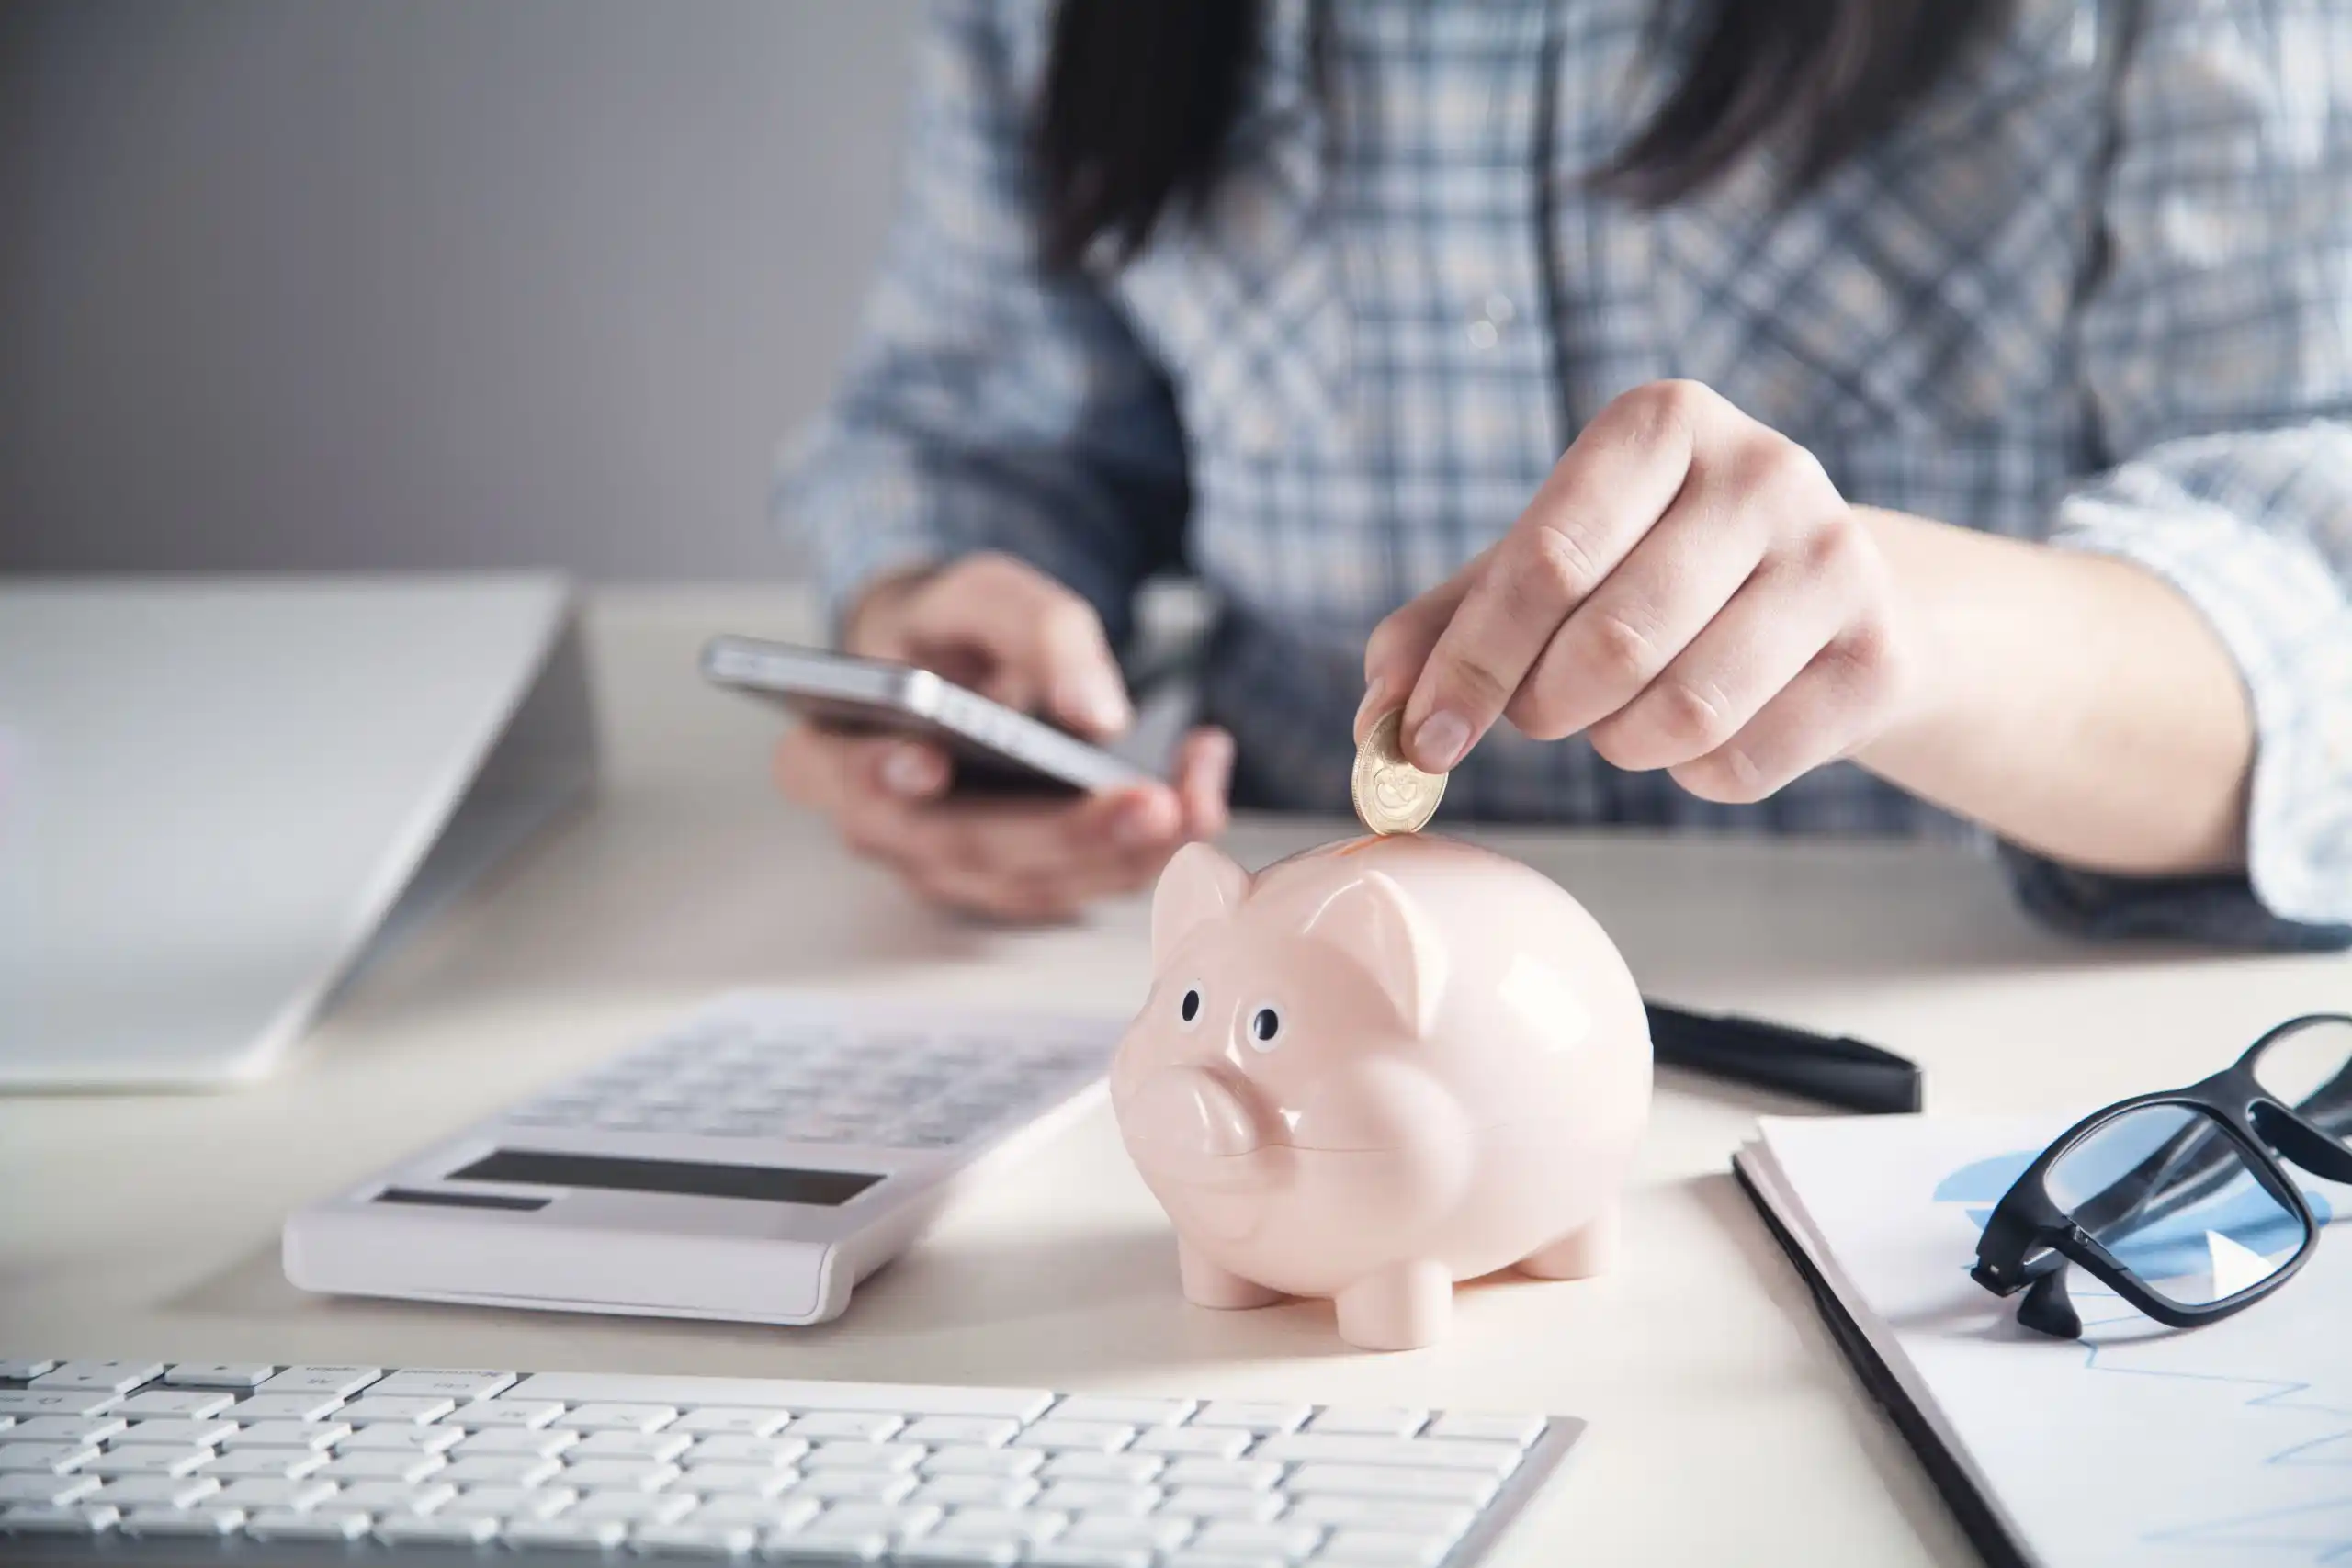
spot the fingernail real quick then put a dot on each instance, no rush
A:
(1439, 743)
(1376, 701)
(909, 771)
(1138, 822)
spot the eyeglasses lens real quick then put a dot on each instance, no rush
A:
(2167, 1191)
(2310, 1068)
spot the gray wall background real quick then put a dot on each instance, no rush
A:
(333, 284)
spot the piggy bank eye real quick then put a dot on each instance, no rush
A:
(1265, 1029)
(1188, 1007)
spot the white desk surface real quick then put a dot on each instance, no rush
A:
(1726, 1425)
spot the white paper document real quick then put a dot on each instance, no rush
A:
(2230, 1444)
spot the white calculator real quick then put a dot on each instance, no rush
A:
(751, 1165)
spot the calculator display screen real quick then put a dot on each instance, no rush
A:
(762, 1183)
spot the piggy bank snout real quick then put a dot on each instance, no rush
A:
(1191, 1116)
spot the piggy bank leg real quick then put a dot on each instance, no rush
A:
(1206, 1284)
(1579, 1255)
(1403, 1307)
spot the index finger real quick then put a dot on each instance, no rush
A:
(1616, 481)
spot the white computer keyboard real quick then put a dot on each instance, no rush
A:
(104, 1457)
(750, 1163)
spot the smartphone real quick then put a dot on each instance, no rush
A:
(996, 750)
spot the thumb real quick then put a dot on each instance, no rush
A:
(1043, 646)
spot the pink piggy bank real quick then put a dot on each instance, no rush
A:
(1376, 1068)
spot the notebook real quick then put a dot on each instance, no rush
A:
(2225, 1445)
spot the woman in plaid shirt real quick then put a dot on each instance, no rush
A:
(1917, 416)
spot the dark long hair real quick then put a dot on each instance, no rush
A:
(1140, 94)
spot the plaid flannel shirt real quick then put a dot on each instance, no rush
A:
(2096, 290)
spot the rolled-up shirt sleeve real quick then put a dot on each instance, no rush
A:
(2217, 356)
(991, 403)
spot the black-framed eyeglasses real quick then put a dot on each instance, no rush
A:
(2181, 1201)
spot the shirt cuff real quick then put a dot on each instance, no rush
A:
(2278, 611)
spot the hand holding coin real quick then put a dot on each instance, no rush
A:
(1391, 795)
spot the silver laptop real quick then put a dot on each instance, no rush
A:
(218, 796)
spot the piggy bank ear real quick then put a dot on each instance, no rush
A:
(1376, 923)
(1201, 885)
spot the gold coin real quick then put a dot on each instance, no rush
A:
(1391, 795)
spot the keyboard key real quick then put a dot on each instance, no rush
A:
(340, 1382)
(391, 1497)
(289, 1496)
(1128, 1468)
(709, 1540)
(35, 1489)
(37, 1519)
(1199, 1443)
(458, 1530)
(1252, 1417)
(829, 1546)
(735, 1448)
(1239, 1538)
(176, 1433)
(1518, 1429)
(401, 1440)
(620, 1475)
(845, 1425)
(187, 1404)
(217, 1374)
(1223, 1503)
(1096, 1436)
(1124, 1412)
(79, 1431)
(619, 1417)
(609, 1444)
(752, 1480)
(19, 1369)
(200, 1522)
(902, 1520)
(1020, 1526)
(52, 1459)
(1497, 1459)
(1099, 1498)
(136, 1461)
(862, 1456)
(274, 1464)
(1381, 1513)
(460, 1384)
(56, 1400)
(632, 1508)
(491, 1414)
(1468, 1486)
(983, 1461)
(975, 1492)
(1368, 1423)
(564, 1531)
(760, 1513)
(1253, 1475)
(1189, 1559)
(287, 1435)
(380, 1465)
(856, 1485)
(983, 1430)
(731, 1421)
(1379, 1548)
(982, 1552)
(154, 1491)
(372, 1407)
(1060, 1555)
(540, 1443)
(895, 1399)
(284, 1407)
(325, 1524)
(1158, 1532)
(106, 1377)
(511, 1502)
(500, 1469)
